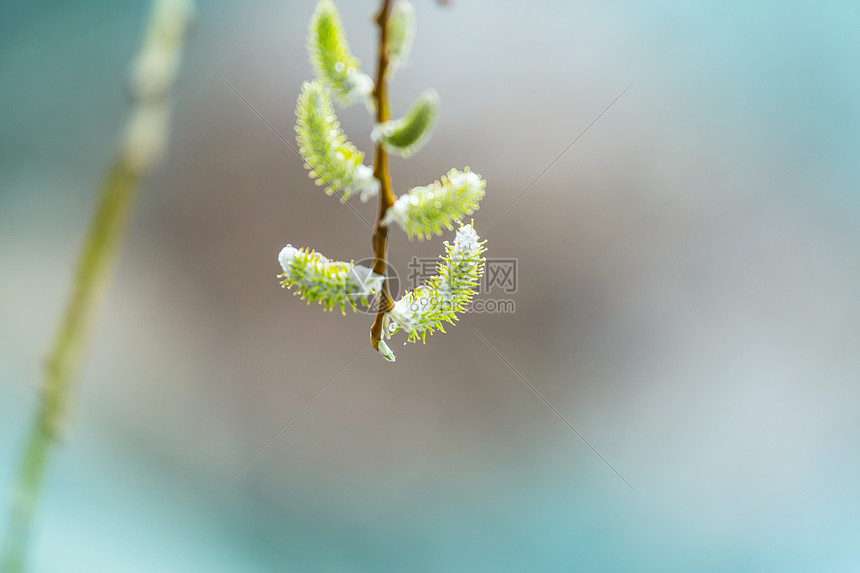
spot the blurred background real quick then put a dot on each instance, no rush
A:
(688, 278)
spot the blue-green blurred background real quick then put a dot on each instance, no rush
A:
(688, 296)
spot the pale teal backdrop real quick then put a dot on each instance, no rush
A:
(687, 297)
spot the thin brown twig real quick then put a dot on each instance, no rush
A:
(381, 172)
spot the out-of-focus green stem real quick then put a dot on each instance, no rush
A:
(63, 361)
(143, 143)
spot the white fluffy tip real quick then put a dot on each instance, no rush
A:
(365, 181)
(466, 238)
(286, 257)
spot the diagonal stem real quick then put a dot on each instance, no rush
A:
(381, 172)
(63, 361)
(143, 144)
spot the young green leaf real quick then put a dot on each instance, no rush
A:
(438, 300)
(401, 33)
(423, 211)
(331, 283)
(331, 57)
(332, 160)
(408, 134)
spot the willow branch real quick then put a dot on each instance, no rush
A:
(381, 172)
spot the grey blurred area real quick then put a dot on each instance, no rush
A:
(688, 273)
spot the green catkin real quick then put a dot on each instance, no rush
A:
(331, 57)
(424, 211)
(331, 159)
(426, 309)
(401, 33)
(330, 283)
(408, 134)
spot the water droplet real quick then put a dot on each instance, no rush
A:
(339, 67)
